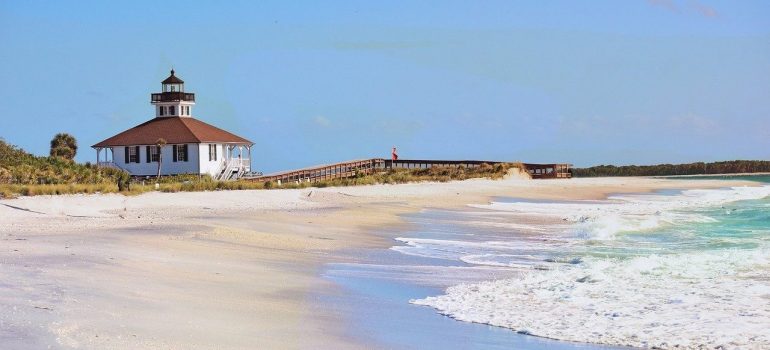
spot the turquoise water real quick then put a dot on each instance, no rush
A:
(742, 225)
(733, 225)
(747, 177)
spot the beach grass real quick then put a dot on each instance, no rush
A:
(197, 183)
(433, 174)
(14, 190)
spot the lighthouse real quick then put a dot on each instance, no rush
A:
(191, 145)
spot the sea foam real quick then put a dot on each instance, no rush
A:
(685, 301)
(665, 295)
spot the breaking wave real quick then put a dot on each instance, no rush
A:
(683, 270)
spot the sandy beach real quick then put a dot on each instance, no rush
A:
(216, 270)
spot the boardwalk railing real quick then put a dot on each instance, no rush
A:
(426, 164)
(549, 171)
(325, 172)
(369, 166)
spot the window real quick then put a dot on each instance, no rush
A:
(212, 153)
(133, 154)
(187, 110)
(171, 110)
(162, 110)
(180, 153)
(154, 154)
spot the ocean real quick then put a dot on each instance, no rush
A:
(672, 268)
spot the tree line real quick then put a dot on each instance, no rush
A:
(700, 168)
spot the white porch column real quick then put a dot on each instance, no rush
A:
(249, 149)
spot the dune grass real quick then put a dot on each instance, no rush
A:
(194, 182)
(14, 190)
(434, 174)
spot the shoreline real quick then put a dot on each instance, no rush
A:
(714, 175)
(94, 271)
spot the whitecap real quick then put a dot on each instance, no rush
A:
(683, 300)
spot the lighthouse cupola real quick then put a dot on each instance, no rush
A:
(173, 101)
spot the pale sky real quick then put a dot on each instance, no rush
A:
(559, 81)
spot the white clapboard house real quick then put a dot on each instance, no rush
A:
(192, 146)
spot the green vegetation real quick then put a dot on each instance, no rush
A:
(18, 167)
(194, 182)
(25, 174)
(64, 146)
(728, 167)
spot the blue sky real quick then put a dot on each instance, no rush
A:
(589, 83)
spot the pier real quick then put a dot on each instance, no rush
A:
(353, 168)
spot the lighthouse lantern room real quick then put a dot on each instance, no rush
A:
(173, 101)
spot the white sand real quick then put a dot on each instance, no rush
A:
(213, 270)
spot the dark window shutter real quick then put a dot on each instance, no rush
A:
(126, 159)
(215, 152)
(148, 154)
(175, 153)
(185, 153)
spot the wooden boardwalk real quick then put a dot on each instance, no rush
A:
(370, 166)
(426, 164)
(326, 172)
(536, 171)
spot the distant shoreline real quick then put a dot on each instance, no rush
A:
(716, 175)
(698, 168)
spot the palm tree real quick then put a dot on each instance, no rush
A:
(160, 143)
(64, 145)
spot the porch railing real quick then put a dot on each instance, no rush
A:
(232, 168)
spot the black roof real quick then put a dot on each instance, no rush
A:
(172, 79)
